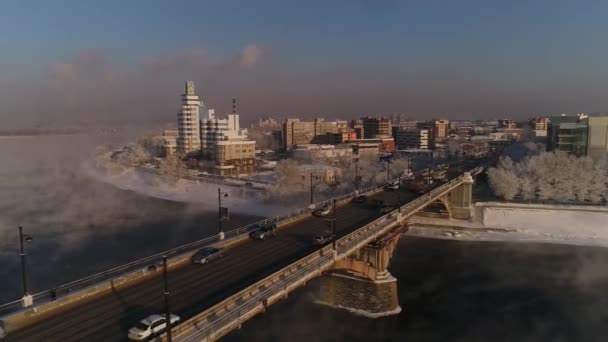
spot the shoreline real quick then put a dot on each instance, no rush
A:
(455, 233)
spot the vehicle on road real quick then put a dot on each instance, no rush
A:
(360, 199)
(207, 254)
(323, 238)
(150, 326)
(386, 208)
(418, 187)
(264, 232)
(326, 210)
(391, 187)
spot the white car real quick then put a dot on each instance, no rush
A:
(326, 210)
(150, 326)
(391, 187)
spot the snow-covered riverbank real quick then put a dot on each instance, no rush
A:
(239, 200)
(564, 224)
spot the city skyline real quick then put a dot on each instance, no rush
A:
(472, 60)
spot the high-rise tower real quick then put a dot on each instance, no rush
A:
(188, 127)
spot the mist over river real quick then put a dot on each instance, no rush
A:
(448, 290)
(80, 225)
(462, 291)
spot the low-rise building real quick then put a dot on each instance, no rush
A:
(233, 158)
(318, 153)
(507, 123)
(385, 145)
(169, 142)
(319, 173)
(365, 149)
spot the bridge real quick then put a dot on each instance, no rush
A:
(215, 298)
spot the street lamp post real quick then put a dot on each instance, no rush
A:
(311, 195)
(388, 170)
(312, 186)
(27, 298)
(431, 167)
(357, 175)
(399, 195)
(166, 295)
(220, 212)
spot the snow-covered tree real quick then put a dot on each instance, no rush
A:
(551, 176)
(173, 168)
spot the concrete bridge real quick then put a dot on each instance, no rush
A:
(216, 298)
(355, 269)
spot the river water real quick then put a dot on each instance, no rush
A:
(448, 290)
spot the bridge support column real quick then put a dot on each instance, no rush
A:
(359, 294)
(461, 199)
(361, 283)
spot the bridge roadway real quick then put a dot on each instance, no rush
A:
(195, 288)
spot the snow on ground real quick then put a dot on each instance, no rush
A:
(239, 200)
(566, 224)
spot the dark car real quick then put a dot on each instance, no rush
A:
(263, 232)
(360, 199)
(323, 238)
(385, 209)
(204, 255)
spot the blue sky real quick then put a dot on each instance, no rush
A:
(497, 43)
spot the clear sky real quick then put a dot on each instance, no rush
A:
(466, 58)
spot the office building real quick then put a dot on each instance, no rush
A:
(597, 141)
(440, 130)
(567, 134)
(188, 138)
(374, 128)
(296, 132)
(214, 129)
(539, 126)
(233, 158)
(417, 138)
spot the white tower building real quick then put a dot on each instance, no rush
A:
(188, 127)
(214, 130)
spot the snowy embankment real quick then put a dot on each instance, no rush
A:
(239, 200)
(566, 224)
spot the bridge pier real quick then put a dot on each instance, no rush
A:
(461, 199)
(361, 282)
(360, 295)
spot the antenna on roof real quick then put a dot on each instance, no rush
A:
(233, 105)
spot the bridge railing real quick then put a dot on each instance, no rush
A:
(138, 265)
(220, 318)
(210, 322)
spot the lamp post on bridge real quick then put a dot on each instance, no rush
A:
(357, 177)
(166, 295)
(27, 298)
(313, 177)
(221, 212)
(399, 195)
(388, 170)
